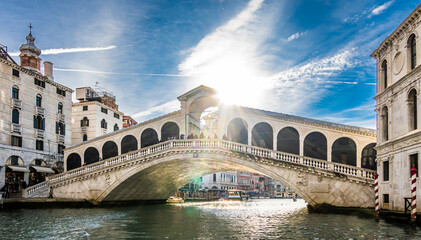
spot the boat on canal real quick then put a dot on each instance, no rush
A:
(236, 194)
(173, 199)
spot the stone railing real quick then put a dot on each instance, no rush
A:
(39, 133)
(39, 111)
(60, 117)
(84, 129)
(60, 138)
(16, 103)
(38, 190)
(197, 144)
(16, 128)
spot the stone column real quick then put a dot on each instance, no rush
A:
(2, 175)
(275, 141)
(359, 153)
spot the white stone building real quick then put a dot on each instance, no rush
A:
(34, 112)
(220, 180)
(95, 114)
(398, 126)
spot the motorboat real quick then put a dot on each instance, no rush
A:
(173, 199)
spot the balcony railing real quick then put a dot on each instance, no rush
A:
(60, 117)
(104, 131)
(39, 133)
(60, 138)
(16, 128)
(16, 103)
(39, 111)
(84, 129)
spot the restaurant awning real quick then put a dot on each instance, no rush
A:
(18, 169)
(43, 169)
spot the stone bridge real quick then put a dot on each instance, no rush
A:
(322, 161)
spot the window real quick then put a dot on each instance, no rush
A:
(60, 108)
(85, 108)
(39, 101)
(413, 50)
(39, 82)
(14, 160)
(15, 93)
(39, 122)
(386, 198)
(39, 145)
(15, 116)
(103, 124)
(214, 177)
(38, 162)
(15, 72)
(412, 109)
(385, 124)
(116, 115)
(85, 137)
(61, 148)
(61, 92)
(104, 110)
(384, 71)
(60, 128)
(16, 141)
(413, 163)
(84, 122)
(386, 171)
(115, 127)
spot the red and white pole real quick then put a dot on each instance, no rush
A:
(376, 192)
(414, 194)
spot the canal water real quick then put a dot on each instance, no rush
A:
(254, 219)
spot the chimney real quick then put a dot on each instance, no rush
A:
(48, 70)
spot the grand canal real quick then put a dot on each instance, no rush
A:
(255, 219)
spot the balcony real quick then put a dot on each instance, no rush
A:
(84, 129)
(60, 117)
(104, 131)
(15, 128)
(16, 103)
(39, 133)
(60, 138)
(39, 111)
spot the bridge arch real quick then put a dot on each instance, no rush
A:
(344, 150)
(368, 157)
(288, 140)
(73, 161)
(237, 131)
(170, 130)
(315, 145)
(262, 135)
(148, 137)
(109, 150)
(91, 155)
(128, 144)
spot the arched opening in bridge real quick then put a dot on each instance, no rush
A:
(368, 157)
(149, 137)
(288, 140)
(128, 144)
(73, 161)
(170, 130)
(315, 146)
(237, 131)
(91, 155)
(262, 135)
(209, 123)
(109, 150)
(344, 150)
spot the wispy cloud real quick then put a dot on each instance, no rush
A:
(296, 36)
(117, 73)
(54, 51)
(381, 8)
(157, 110)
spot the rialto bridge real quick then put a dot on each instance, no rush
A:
(322, 161)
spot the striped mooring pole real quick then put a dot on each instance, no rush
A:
(376, 191)
(414, 195)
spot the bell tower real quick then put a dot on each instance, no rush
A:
(29, 53)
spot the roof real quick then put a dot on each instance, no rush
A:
(196, 91)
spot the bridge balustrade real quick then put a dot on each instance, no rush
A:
(206, 143)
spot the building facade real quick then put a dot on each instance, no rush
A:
(398, 126)
(95, 114)
(34, 112)
(128, 121)
(219, 181)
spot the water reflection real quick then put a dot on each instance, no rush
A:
(255, 219)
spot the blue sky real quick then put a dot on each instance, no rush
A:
(307, 58)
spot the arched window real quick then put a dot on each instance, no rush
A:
(262, 135)
(384, 71)
(39, 100)
(128, 144)
(368, 157)
(15, 92)
(73, 161)
(60, 108)
(39, 122)
(103, 124)
(148, 137)
(288, 141)
(344, 150)
(315, 146)
(109, 150)
(413, 51)
(15, 116)
(169, 130)
(85, 137)
(385, 124)
(84, 122)
(91, 155)
(115, 127)
(412, 109)
(237, 131)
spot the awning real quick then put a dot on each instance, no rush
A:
(18, 169)
(43, 169)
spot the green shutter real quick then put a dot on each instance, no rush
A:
(56, 127)
(35, 121)
(43, 123)
(64, 129)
